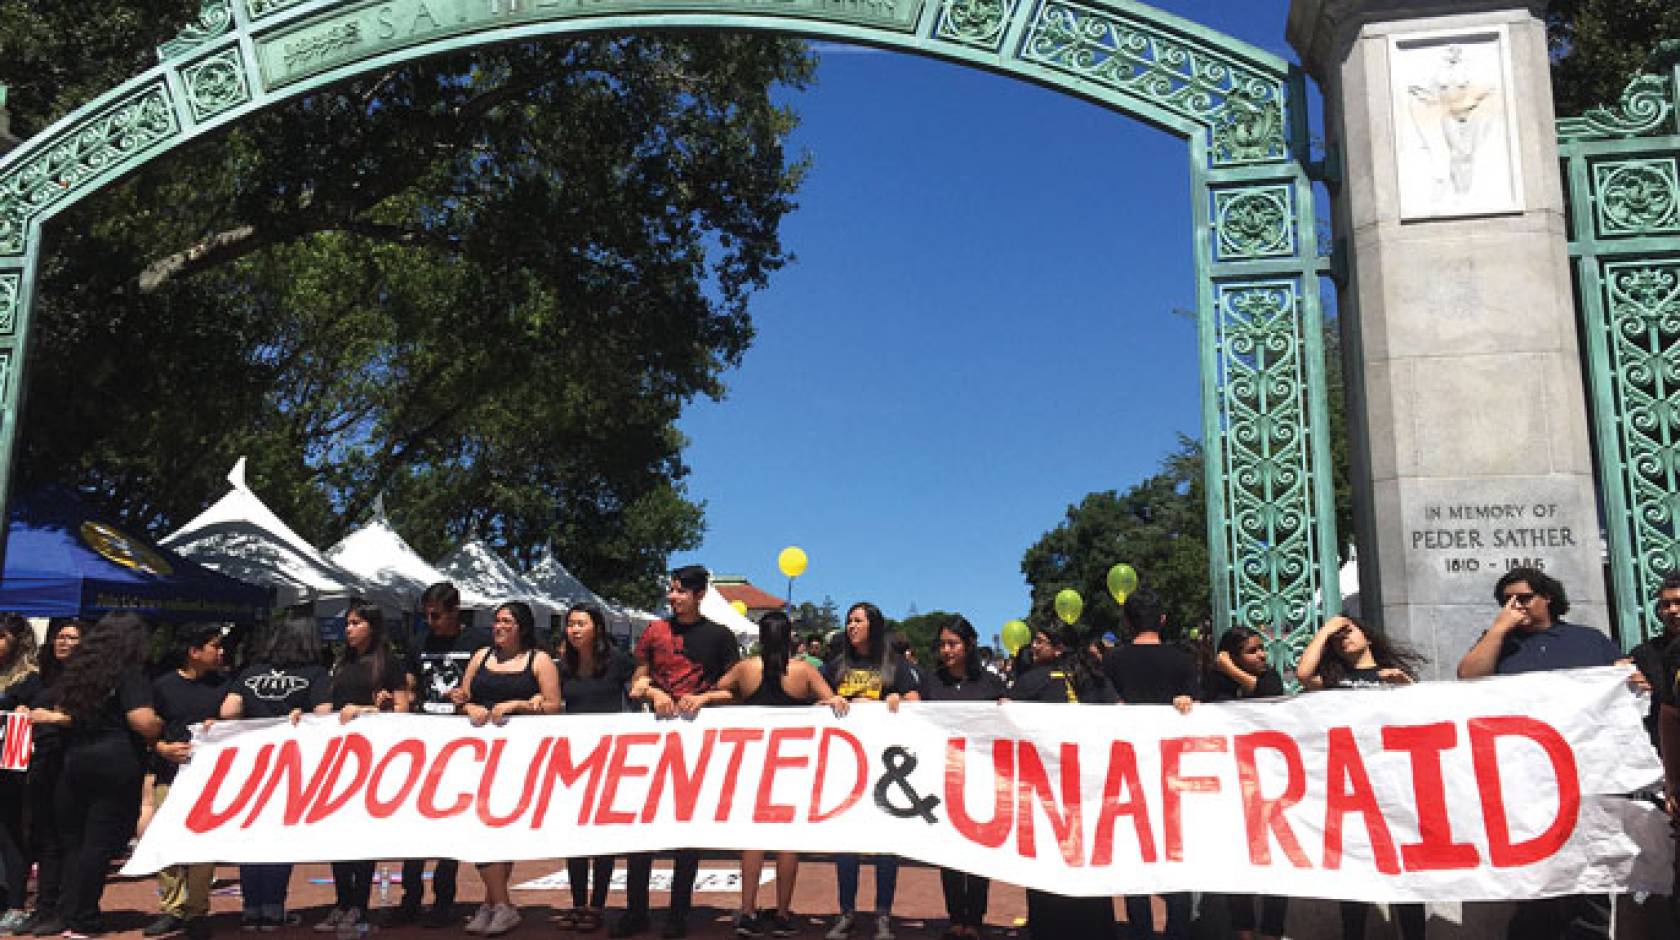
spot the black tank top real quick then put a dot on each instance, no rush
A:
(490, 689)
(772, 694)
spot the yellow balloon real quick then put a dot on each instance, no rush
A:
(1122, 581)
(1069, 605)
(740, 607)
(1016, 634)
(792, 561)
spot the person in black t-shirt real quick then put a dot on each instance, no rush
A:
(1147, 671)
(367, 678)
(17, 660)
(106, 720)
(1345, 654)
(284, 675)
(37, 695)
(958, 677)
(676, 662)
(190, 693)
(437, 662)
(1240, 671)
(594, 677)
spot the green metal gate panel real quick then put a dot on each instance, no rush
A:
(1622, 172)
(1241, 111)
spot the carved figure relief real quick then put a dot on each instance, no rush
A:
(1455, 136)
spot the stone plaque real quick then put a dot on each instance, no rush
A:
(1458, 539)
(1455, 127)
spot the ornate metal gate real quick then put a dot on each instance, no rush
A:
(1241, 110)
(1622, 172)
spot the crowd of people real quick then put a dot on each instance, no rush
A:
(108, 740)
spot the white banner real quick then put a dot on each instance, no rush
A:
(1501, 788)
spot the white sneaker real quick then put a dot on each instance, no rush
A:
(883, 927)
(329, 923)
(503, 918)
(480, 919)
(842, 929)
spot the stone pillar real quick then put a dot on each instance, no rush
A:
(1465, 394)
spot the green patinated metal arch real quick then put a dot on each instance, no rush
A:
(1241, 110)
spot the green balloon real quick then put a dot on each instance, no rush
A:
(1069, 605)
(1016, 634)
(1122, 581)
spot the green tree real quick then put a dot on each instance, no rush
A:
(1599, 45)
(482, 285)
(1158, 526)
(821, 618)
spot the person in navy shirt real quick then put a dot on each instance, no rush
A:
(1529, 635)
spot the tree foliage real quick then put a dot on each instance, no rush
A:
(482, 285)
(1599, 45)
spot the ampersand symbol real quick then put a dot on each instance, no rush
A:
(899, 763)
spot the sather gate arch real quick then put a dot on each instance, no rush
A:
(1241, 111)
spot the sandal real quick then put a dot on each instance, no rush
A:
(589, 921)
(567, 920)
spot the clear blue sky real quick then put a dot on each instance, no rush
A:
(978, 330)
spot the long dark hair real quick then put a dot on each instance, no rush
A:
(959, 627)
(20, 661)
(600, 646)
(775, 639)
(1389, 654)
(875, 655)
(47, 661)
(378, 639)
(111, 647)
(1076, 661)
(526, 620)
(288, 644)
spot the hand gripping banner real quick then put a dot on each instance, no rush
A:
(1501, 788)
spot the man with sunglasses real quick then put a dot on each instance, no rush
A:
(1529, 635)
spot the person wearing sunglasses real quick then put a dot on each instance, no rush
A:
(1529, 635)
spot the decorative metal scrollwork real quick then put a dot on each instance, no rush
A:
(127, 128)
(1637, 197)
(216, 84)
(1253, 223)
(1647, 104)
(215, 17)
(1275, 578)
(261, 8)
(1243, 106)
(11, 292)
(978, 23)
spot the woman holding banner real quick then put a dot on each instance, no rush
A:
(958, 677)
(366, 678)
(17, 660)
(866, 671)
(773, 678)
(510, 677)
(1344, 654)
(284, 675)
(36, 695)
(1061, 671)
(595, 675)
(1241, 671)
(105, 715)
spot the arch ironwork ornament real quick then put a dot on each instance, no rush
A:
(1240, 110)
(1622, 179)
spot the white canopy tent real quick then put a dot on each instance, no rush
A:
(474, 566)
(550, 577)
(241, 537)
(377, 555)
(714, 608)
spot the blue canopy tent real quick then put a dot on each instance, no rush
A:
(63, 562)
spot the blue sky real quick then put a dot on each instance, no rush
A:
(978, 330)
